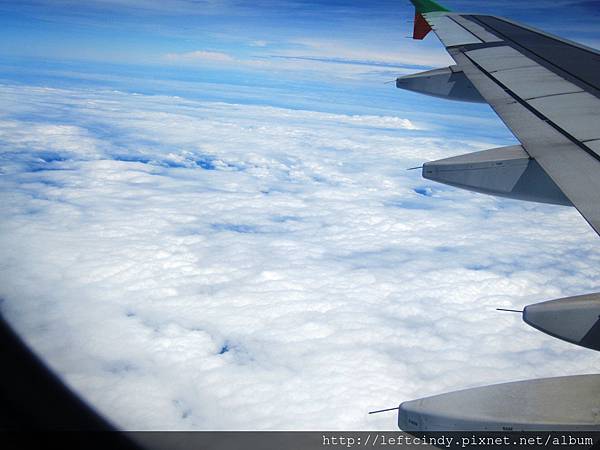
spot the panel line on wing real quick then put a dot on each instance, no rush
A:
(577, 113)
(574, 172)
(535, 82)
(449, 32)
(558, 57)
(594, 145)
(554, 95)
(533, 110)
(493, 59)
(474, 28)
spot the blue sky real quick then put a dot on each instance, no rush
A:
(144, 30)
(331, 56)
(206, 221)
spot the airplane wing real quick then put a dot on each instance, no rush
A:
(547, 91)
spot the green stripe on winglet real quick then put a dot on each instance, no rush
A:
(426, 6)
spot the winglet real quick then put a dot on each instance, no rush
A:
(422, 28)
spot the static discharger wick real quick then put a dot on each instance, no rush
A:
(413, 168)
(509, 310)
(384, 410)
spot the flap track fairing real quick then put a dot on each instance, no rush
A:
(504, 171)
(449, 83)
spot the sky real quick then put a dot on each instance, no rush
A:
(207, 222)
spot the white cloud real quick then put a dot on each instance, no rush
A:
(187, 264)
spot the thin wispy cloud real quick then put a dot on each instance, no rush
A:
(259, 43)
(319, 58)
(399, 54)
(200, 56)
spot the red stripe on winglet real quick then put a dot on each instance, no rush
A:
(421, 27)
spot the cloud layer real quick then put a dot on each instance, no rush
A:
(204, 265)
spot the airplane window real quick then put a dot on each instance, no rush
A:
(207, 222)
